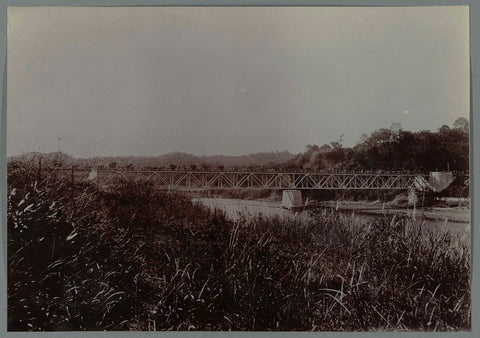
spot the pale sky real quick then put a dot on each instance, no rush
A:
(232, 81)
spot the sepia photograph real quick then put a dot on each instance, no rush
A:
(238, 169)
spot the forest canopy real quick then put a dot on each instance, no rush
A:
(394, 148)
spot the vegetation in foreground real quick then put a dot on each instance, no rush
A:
(137, 259)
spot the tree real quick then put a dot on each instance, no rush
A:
(444, 129)
(315, 161)
(462, 124)
(311, 149)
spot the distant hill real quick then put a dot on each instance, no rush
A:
(177, 159)
(54, 158)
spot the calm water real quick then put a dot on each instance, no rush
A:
(236, 207)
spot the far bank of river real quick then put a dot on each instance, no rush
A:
(457, 219)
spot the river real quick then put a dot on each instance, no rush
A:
(456, 219)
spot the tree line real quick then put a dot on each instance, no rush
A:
(389, 149)
(393, 149)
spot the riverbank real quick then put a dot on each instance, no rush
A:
(450, 214)
(454, 210)
(457, 218)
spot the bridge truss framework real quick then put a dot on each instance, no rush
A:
(225, 180)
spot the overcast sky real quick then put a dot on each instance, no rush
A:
(148, 81)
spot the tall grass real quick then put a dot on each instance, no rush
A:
(136, 259)
(334, 273)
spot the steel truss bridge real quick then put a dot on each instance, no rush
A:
(226, 180)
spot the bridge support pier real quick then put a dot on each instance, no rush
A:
(292, 199)
(412, 197)
(412, 201)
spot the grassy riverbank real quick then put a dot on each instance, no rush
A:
(137, 259)
(442, 214)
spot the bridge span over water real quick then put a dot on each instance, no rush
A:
(229, 180)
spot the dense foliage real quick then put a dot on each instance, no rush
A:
(394, 149)
(137, 259)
